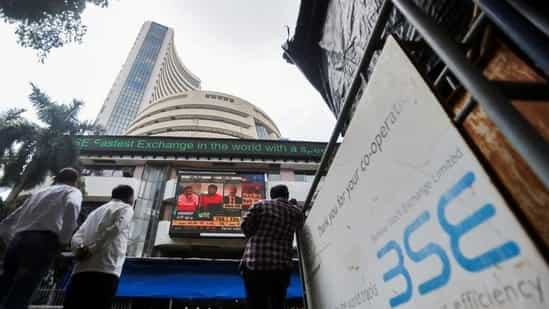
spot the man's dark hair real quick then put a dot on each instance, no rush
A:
(122, 192)
(67, 175)
(280, 191)
(212, 186)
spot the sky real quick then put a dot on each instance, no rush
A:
(232, 46)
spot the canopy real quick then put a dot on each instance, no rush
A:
(188, 279)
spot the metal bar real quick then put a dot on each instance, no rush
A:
(441, 76)
(344, 115)
(524, 90)
(514, 91)
(525, 35)
(465, 111)
(524, 138)
(350, 97)
(473, 31)
(537, 16)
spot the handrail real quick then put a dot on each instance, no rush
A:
(530, 39)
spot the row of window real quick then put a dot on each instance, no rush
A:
(108, 171)
(298, 176)
(146, 114)
(219, 97)
(131, 94)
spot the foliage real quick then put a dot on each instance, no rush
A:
(34, 150)
(46, 24)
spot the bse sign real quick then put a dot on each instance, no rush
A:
(408, 218)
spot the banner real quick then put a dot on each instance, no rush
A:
(214, 203)
(187, 146)
(407, 217)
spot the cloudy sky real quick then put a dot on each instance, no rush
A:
(232, 46)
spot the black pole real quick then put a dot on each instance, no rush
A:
(344, 115)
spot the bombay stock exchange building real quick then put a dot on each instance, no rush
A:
(156, 95)
(166, 136)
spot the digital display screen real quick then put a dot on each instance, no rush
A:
(214, 203)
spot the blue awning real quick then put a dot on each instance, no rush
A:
(188, 279)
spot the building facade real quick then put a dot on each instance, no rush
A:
(151, 71)
(178, 259)
(156, 167)
(190, 259)
(156, 95)
(174, 143)
(204, 114)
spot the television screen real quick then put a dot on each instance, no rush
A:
(214, 203)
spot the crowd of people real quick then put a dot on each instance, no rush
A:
(46, 223)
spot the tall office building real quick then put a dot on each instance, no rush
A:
(156, 95)
(151, 72)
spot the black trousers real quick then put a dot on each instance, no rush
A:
(28, 259)
(91, 290)
(266, 289)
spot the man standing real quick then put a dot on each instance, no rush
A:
(43, 224)
(100, 250)
(266, 265)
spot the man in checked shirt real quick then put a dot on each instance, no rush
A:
(266, 264)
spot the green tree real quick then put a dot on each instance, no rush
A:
(46, 24)
(34, 150)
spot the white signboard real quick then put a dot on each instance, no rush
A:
(407, 217)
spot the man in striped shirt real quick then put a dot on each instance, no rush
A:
(269, 227)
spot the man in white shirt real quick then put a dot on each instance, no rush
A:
(100, 247)
(40, 227)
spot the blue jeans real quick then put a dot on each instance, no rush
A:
(27, 260)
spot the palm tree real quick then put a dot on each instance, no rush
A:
(30, 151)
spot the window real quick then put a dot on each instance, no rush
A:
(262, 132)
(109, 171)
(131, 94)
(304, 176)
(219, 97)
(274, 177)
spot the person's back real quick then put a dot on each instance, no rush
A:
(266, 264)
(53, 209)
(108, 256)
(269, 245)
(41, 226)
(100, 250)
